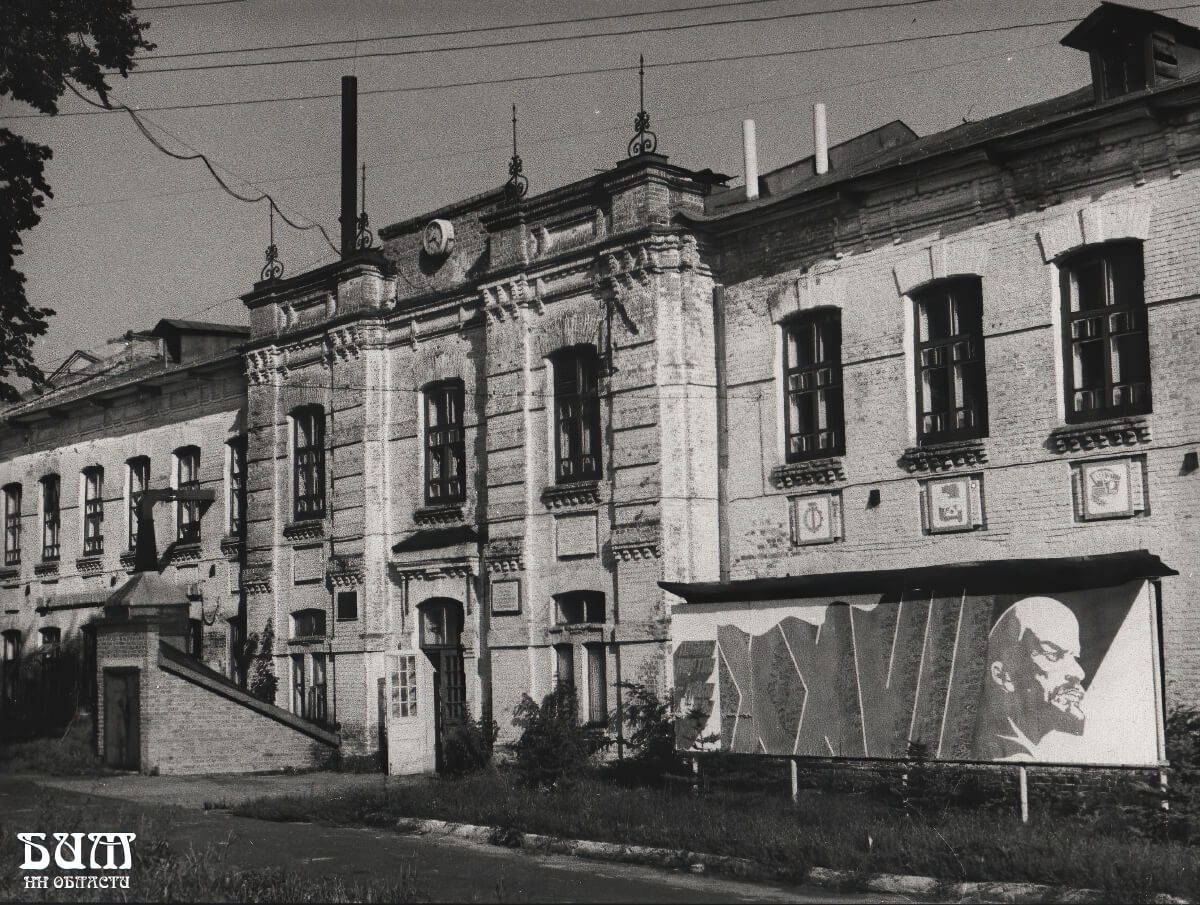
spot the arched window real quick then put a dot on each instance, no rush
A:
(951, 382)
(1105, 344)
(235, 503)
(12, 525)
(308, 462)
(812, 368)
(308, 623)
(576, 414)
(51, 517)
(187, 477)
(445, 450)
(93, 511)
(139, 480)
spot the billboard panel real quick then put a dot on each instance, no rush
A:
(1057, 678)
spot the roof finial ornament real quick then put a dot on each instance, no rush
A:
(364, 238)
(517, 184)
(273, 269)
(645, 141)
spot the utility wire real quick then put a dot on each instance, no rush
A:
(856, 45)
(608, 70)
(391, 162)
(493, 28)
(142, 9)
(198, 155)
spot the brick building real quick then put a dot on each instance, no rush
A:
(164, 409)
(872, 412)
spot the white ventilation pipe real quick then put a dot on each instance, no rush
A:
(820, 139)
(750, 157)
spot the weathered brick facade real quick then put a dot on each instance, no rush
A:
(678, 288)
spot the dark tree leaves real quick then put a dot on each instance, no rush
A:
(43, 45)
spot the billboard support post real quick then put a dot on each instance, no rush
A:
(795, 781)
(1023, 783)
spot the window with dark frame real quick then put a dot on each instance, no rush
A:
(597, 712)
(564, 664)
(12, 525)
(308, 624)
(951, 380)
(10, 667)
(317, 710)
(308, 463)
(195, 639)
(1105, 343)
(139, 480)
(347, 606)
(299, 699)
(187, 475)
(238, 661)
(812, 366)
(93, 511)
(236, 504)
(580, 607)
(51, 637)
(576, 414)
(445, 449)
(51, 518)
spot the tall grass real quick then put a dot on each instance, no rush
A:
(160, 873)
(72, 753)
(840, 831)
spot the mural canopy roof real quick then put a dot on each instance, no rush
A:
(998, 576)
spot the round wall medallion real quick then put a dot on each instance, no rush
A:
(438, 238)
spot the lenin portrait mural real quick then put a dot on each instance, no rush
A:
(1068, 677)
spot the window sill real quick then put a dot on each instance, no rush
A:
(306, 640)
(43, 569)
(592, 630)
(308, 529)
(577, 493)
(944, 456)
(810, 471)
(441, 514)
(1100, 434)
(88, 565)
(128, 559)
(8, 574)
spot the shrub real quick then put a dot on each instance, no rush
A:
(467, 745)
(553, 744)
(649, 721)
(260, 652)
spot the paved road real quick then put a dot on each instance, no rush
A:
(447, 870)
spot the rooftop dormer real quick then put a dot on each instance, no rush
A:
(1134, 49)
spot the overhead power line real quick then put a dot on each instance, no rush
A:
(142, 9)
(198, 155)
(854, 45)
(544, 23)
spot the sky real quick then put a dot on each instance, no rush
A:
(132, 235)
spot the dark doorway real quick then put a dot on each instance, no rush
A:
(122, 719)
(441, 642)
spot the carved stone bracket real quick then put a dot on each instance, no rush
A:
(944, 456)
(1100, 435)
(128, 558)
(256, 578)
(89, 565)
(435, 569)
(812, 471)
(9, 574)
(439, 515)
(261, 364)
(231, 547)
(185, 553)
(505, 554)
(345, 571)
(46, 569)
(577, 493)
(309, 529)
(632, 542)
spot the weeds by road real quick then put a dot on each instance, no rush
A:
(161, 873)
(824, 829)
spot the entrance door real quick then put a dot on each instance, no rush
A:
(449, 695)
(122, 719)
(410, 713)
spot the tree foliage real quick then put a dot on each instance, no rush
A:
(44, 46)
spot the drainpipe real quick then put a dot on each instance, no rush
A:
(718, 299)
